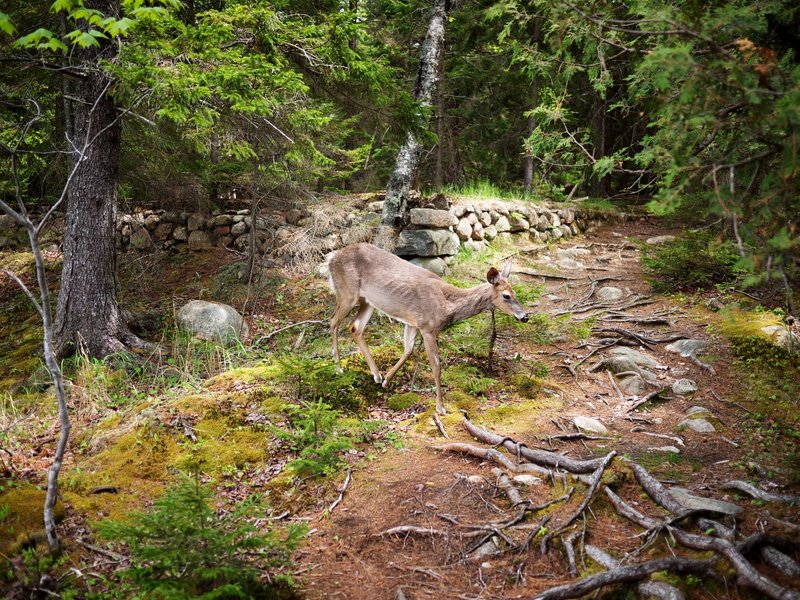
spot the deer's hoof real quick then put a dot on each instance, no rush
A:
(440, 410)
(385, 384)
(378, 378)
(339, 370)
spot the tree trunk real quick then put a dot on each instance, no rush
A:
(438, 176)
(87, 313)
(527, 159)
(407, 163)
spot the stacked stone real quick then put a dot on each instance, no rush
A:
(481, 222)
(148, 229)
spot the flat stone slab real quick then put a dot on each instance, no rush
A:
(699, 425)
(688, 347)
(660, 239)
(527, 479)
(427, 242)
(682, 387)
(640, 359)
(610, 293)
(666, 449)
(692, 502)
(590, 424)
(431, 217)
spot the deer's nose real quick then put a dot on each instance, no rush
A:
(524, 318)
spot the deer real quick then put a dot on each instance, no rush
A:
(368, 277)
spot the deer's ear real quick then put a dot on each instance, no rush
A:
(507, 269)
(493, 276)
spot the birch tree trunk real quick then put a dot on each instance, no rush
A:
(407, 163)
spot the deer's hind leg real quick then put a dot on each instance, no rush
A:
(362, 318)
(344, 304)
(409, 337)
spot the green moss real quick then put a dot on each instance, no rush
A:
(527, 387)
(403, 401)
(519, 416)
(462, 400)
(244, 376)
(466, 378)
(23, 525)
(734, 322)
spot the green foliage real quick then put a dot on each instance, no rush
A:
(315, 433)
(403, 401)
(315, 380)
(467, 379)
(184, 548)
(693, 262)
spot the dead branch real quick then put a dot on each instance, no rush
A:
(347, 481)
(495, 456)
(747, 574)
(626, 574)
(674, 438)
(595, 482)
(645, 400)
(271, 334)
(569, 548)
(758, 494)
(655, 490)
(601, 557)
(540, 457)
(440, 426)
(408, 530)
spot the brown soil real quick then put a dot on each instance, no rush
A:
(347, 556)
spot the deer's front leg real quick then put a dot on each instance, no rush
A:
(432, 350)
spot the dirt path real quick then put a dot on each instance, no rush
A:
(348, 557)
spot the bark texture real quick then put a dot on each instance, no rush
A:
(87, 312)
(407, 163)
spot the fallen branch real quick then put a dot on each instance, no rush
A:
(408, 530)
(495, 456)
(271, 334)
(626, 574)
(540, 457)
(754, 492)
(347, 481)
(595, 482)
(569, 547)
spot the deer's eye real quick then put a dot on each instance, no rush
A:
(506, 296)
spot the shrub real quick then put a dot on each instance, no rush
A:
(183, 549)
(694, 262)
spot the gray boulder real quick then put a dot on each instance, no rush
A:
(433, 264)
(781, 336)
(212, 321)
(427, 242)
(430, 217)
(687, 347)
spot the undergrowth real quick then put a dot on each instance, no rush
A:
(695, 261)
(183, 548)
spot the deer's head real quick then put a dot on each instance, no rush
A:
(503, 296)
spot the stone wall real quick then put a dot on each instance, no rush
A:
(432, 232)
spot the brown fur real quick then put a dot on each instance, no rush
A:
(366, 276)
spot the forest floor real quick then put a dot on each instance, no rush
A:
(455, 535)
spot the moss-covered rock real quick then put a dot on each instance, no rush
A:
(23, 525)
(403, 401)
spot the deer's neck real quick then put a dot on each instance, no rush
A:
(463, 304)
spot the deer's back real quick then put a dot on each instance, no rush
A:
(394, 286)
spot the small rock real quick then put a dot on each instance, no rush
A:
(714, 304)
(554, 298)
(502, 224)
(696, 410)
(609, 293)
(682, 387)
(660, 239)
(199, 240)
(527, 479)
(433, 264)
(212, 321)
(590, 424)
(569, 263)
(430, 217)
(699, 425)
(687, 347)
(693, 502)
(633, 385)
(640, 359)
(464, 230)
(781, 336)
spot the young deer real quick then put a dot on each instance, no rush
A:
(366, 276)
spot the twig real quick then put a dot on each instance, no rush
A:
(268, 336)
(595, 482)
(440, 426)
(347, 481)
